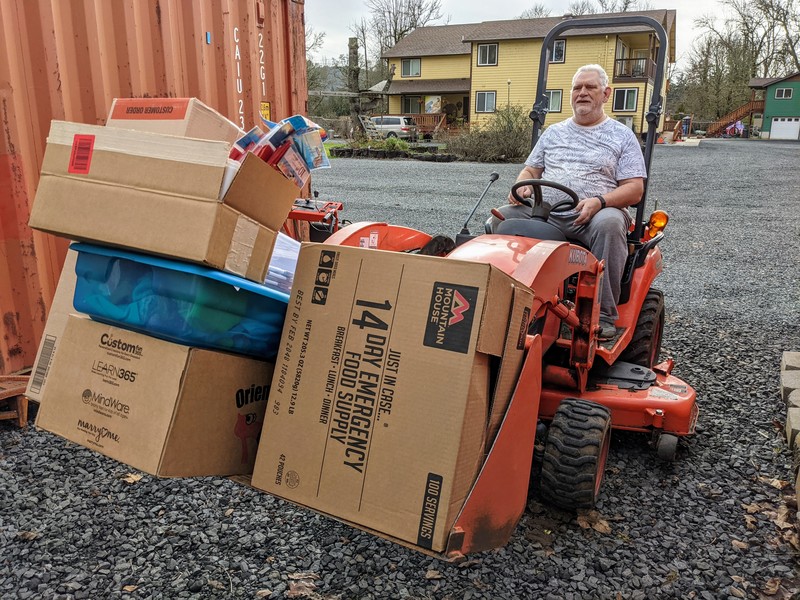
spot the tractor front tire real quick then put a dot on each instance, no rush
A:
(575, 454)
(645, 345)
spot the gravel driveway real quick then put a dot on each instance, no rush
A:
(711, 525)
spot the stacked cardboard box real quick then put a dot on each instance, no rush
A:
(154, 181)
(395, 371)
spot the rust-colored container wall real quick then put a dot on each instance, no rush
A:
(67, 59)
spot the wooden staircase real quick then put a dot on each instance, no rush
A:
(744, 110)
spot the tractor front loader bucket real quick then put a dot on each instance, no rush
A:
(500, 493)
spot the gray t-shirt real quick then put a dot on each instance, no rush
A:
(590, 160)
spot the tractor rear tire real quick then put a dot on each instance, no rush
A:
(575, 454)
(645, 346)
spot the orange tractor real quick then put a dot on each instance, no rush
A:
(573, 388)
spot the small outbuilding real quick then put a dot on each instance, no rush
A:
(781, 117)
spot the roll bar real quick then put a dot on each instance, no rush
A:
(539, 110)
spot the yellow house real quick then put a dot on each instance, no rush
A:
(464, 73)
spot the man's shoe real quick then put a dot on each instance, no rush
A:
(608, 331)
(439, 245)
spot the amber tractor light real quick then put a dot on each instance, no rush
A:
(657, 223)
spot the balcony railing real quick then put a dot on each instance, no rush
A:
(634, 69)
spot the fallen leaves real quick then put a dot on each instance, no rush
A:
(433, 574)
(302, 585)
(229, 512)
(592, 520)
(265, 593)
(778, 484)
(740, 545)
(130, 588)
(131, 478)
(28, 535)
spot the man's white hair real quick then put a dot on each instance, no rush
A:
(601, 72)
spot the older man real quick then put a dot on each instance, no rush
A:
(601, 160)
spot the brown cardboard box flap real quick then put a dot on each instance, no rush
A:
(494, 322)
(513, 354)
(261, 192)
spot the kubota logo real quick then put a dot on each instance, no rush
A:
(450, 317)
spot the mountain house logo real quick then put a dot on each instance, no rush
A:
(450, 316)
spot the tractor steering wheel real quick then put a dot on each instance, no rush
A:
(537, 184)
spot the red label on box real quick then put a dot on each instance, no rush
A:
(151, 109)
(81, 158)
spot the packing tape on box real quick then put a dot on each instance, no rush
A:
(242, 245)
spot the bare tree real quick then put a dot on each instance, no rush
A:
(537, 11)
(361, 30)
(581, 7)
(785, 14)
(392, 20)
(314, 74)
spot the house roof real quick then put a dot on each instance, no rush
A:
(438, 40)
(538, 28)
(429, 86)
(457, 39)
(764, 82)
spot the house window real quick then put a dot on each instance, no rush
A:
(410, 67)
(783, 93)
(412, 105)
(625, 99)
(553, 100)
(484, 102)
(558, 52)
(487, 55)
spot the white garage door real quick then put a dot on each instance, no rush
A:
(785, 128)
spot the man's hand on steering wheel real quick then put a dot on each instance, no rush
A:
(525, 192)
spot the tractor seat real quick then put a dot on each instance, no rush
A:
(530, 228)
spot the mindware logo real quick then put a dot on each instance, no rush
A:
(109, 341)
(97, 433)
(107, 402)
(450, 317)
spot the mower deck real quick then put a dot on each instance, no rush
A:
(656, 402)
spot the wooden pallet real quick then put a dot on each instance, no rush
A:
(13, 398)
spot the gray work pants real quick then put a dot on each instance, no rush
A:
(605, 235)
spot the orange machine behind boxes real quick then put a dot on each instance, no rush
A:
(163, 408)
(395, 371)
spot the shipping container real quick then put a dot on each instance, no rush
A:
(68, 59)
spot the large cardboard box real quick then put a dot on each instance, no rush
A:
(60, 310)
(160, 194)
(389, 369)
(185, 117)
(165, 409)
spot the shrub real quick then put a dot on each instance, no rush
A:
(391, 143)
(506, 137)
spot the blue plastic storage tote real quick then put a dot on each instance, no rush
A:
(180, 302)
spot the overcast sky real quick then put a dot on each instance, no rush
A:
(334, 17)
